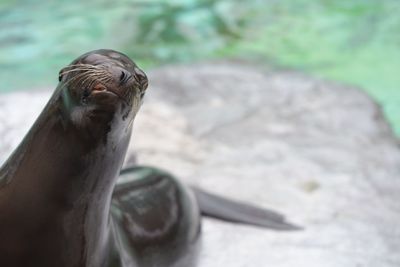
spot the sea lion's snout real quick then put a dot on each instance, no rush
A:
(120, 66)
(101, 86)
(104, 74)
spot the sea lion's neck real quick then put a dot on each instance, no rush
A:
(61, 179)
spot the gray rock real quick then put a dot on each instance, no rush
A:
(319, 152)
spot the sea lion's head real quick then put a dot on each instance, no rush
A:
(101, 87)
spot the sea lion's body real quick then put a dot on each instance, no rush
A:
(58, 206)
(56, 188)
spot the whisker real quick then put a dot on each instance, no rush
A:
(76, 70)
(73, 79)
(84, 69)
(86, 76)
(86, 65)
(93, 73)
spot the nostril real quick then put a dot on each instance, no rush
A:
(142, 78)
(124, 77)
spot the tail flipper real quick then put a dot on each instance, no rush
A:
(234, 211)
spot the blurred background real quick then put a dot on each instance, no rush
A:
(353, 42)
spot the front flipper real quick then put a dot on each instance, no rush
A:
(238, 212)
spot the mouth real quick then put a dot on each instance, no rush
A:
(101, 90)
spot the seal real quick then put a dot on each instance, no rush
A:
(60, 203)
(56, 187)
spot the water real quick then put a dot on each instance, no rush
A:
(353, 42)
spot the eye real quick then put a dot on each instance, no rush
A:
(122, 76)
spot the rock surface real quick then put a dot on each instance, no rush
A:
(319, 152)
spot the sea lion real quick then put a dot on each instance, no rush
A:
(58, 206)
(56, 187)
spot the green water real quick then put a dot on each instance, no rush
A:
(354, 42)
